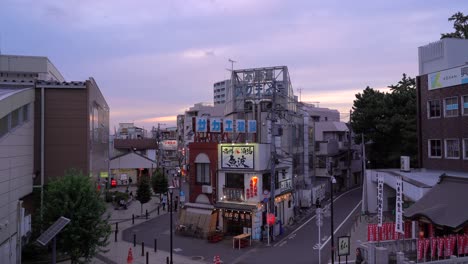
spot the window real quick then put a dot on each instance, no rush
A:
(465, 104)
(3, 125)
(435, 148)
(15, 118)
(452, 149)
(235, 180)
(465, 148)
(451, 106)
(433, 108)
(322, 162)
(25, 113)
(203, 173)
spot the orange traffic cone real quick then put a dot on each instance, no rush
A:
(216, 260)
(130, 256)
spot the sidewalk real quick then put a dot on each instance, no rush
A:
(117, 252)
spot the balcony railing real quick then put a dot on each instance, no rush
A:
(233, 194)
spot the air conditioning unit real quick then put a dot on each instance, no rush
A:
(405, 163)
(207, 189)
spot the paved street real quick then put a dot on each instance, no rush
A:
(298, 246)
(295, 247)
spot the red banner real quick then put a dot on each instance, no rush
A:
(447, 244)
(433, 247)
(431, 230)
(460, 244)
(466, 244)
(426, 246)
(440, 246)
(454, 242)
(370, 236)
(420, 248)
(408, 229)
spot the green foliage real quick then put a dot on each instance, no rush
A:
(460, 25)
(159, 182)
(143, 194)
(388, 122)
(117, 196)
(74, 196)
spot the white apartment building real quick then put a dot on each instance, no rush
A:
(219, 91)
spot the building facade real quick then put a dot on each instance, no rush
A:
(66, 110)
(219, 91)
(16, 169)
(442, 97)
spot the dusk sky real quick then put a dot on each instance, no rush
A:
(154, 59)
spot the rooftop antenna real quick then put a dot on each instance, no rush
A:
(300, 93)
(232, 64)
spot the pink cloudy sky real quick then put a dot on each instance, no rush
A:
(155, 59)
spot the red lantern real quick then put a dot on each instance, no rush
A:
(271, 219)
(113, 183)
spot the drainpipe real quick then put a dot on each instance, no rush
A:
(42, 148)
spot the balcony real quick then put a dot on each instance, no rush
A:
(233, 194)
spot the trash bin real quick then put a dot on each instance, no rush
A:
(276, 229)
(281, 230)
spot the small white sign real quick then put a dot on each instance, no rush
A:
(343, 246)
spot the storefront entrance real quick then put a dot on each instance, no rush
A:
(234, 222)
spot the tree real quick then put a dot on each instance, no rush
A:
(74, 196)
(460, 25)
(159, 183)
(388, 122)
(143, 194)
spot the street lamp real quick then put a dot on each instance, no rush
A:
(332, 181)
(171, 189)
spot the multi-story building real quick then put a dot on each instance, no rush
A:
(69, 120)
(219, 91)
(133, 155)
(431, 196)
(16, 168)
(65, 110)
(229, 160)
(25, 70)
(442, 92)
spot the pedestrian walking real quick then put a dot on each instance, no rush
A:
(164, 201)
(359, 258)
(176, 203)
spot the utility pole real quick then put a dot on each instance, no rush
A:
(274, 131)
(300, 93)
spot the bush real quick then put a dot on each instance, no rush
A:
(118, 196)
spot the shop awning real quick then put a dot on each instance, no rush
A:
(199, 208)
(444, 204)
(236, 206)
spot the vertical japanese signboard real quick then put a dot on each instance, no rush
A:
(380, 183)
(399, 207)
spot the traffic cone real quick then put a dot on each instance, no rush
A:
(130, 256)
(216, 260)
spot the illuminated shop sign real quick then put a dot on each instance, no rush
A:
(217, 125)
(237, 157)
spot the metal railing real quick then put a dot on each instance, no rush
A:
(233, 194)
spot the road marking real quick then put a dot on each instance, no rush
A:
(317, 246)
(342, 223)
(292, 236)
(177, 249)
(312, 218)
(282, 243)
